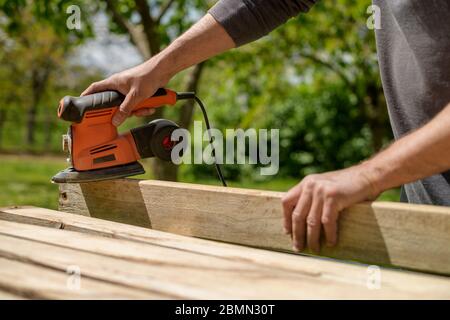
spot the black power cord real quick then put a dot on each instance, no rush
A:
(191, 95)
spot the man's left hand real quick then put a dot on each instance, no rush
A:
(317, 200)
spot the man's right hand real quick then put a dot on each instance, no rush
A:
(204, 40)
(136, 84)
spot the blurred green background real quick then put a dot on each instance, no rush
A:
(315, 78)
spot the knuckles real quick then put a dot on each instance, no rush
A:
(331, 192)
(298, 217)
(309, 184)
(326, 220)
(312, 186)
(316, 186)
(312, 221)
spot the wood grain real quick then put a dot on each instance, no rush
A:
(163, 271)
(391, 234)
(4, 295)
(25, 280)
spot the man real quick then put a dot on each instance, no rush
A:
(414, 56)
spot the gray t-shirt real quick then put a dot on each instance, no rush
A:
(414, 56)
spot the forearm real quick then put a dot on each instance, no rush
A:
(314, 204)
(208, 37)
(202, 41)
(420, 154)
(228, 24)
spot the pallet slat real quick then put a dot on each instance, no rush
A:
(24, 280)
(402, 235)
(178, 266)
(9, 296)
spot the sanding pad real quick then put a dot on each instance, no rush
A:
(70, 175)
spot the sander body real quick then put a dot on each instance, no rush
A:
(96, 149)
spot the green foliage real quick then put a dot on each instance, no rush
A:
(35, 72)
(319, 131)
(315, 78)
(51, 13)
(25, 180)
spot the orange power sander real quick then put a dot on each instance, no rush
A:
(98, 152)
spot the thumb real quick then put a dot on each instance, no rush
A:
(99, 86)
(125, 108)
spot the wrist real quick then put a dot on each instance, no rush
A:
(170, 61)
(161, 66)
(374, 175)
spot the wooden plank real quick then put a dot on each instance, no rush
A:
(179, 280)
(66, 221)
(9, 296)
(236, 274)
(24, 280)
(159, 280)
(381, 233)
(127, 205)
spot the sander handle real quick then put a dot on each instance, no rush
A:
(73, 109)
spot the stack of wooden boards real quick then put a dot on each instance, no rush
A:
(402, 235)
(42, 252)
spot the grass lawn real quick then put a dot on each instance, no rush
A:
(25, 180)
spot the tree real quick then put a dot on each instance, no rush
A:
(323, 63)
(150, 25)
(38, 50)
(158, 22)
(335, 37)
(317, 79)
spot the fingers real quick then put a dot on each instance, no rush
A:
(143, 112)
(289, 201)
(313, 223)
(329, 222)
(99, 86)
(125, 109)
(306, 208)
(316, 203)
(299, 220)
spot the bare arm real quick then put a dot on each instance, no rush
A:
(317, 200)
(418, 155)
(231, 22)
(205, 39)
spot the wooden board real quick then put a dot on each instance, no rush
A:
(416, 237)
(121, 261)
(9, 296)
(29, 281)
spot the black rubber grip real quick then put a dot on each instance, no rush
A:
(73, 108)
